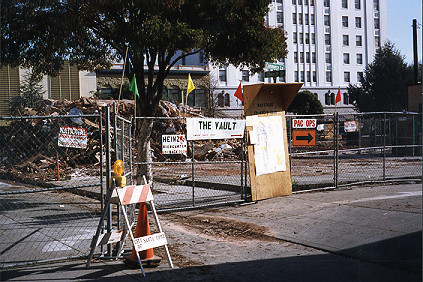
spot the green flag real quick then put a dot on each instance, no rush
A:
(133, 87)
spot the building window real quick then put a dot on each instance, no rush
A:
(305, 2)
(327, 20)
(313, 38)
(260, 77)
(227, 100)
(221, 99)
(282, 78)
(295, 57)
(302, 76)
(357, 4)
(294, 38)
(346, 99)
(279, 17)
(311, 2)
(301, 38)
(174, 95)
(345, 40)
(345, 4)
(301, 57)
(328, 58)
(305, 18)
(328, 76)
(245, 75)
(327, 39)
(308, 76)
(377, 41)
(314, 76)
(376, 23)
(346, 58)
(308, 57)
(300, 18)
(344, 21)
(294, 18)
(357, 22)
(279, 1)
(358, 41)
(327, 98)
(296, 76)
(313, 57)
(376, 5)
(326, 3)
(359, 76)
(294, 2)
(222, 75)
(312, 19)
(197, 98)
(347, 76)
(307, 38)
(359, 59)
(300, 2)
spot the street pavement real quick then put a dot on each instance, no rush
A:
(366, 233)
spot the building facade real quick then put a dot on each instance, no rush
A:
(330, 43)
(71, 84)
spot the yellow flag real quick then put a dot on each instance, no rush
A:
(190, 85)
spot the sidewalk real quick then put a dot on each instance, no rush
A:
(362, 234)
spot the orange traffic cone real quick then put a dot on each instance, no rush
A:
(142, 229)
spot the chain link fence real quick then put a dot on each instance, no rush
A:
(50, 186)
(357, 148)
(209, 172)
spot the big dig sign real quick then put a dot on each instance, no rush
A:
(304, 123)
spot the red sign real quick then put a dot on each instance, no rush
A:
(304, 137)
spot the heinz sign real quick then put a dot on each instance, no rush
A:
(73, 137)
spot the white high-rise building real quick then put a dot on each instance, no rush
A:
(330, 43)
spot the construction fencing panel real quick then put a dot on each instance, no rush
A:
(50, 186)
(357, 148)
(203, 173)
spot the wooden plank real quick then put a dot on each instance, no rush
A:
(274, 184)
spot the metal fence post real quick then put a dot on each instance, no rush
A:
(337, 150)
(384, 149)
(192, 173)
(108, 176)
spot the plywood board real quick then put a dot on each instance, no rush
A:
(274, 184)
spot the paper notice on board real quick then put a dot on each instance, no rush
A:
(269, 149)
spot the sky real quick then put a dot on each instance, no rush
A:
(400, 19)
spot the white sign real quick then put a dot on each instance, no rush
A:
(304, 123)
(174, 144)
(150, 241)
(73, 137)
(268, 140)
(350, 126)
(213, 128)
(273, 66)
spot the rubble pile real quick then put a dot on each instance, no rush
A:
(29, 148)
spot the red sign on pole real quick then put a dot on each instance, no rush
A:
(304, 137)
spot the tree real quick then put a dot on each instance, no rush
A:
(93, 34)
(305, 103)
(383, 86)
(30, 93)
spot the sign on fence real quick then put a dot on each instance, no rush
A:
(213, 128)
(174, 144)
(304, 123)
(350, 126)
(74, 137)
(305, 137)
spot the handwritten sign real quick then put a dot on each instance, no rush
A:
(174, 144)
(212, 128)
(73, 137)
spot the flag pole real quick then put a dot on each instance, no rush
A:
(123, 73)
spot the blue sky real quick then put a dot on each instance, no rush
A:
(400, 19)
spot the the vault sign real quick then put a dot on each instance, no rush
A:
(213, 128)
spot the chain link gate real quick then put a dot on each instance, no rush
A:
(50, 194)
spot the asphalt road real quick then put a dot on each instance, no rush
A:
(370, 233)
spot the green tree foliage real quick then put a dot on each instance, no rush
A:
(31, 92)
(384, 83)
(93, 34)
(305, 103)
